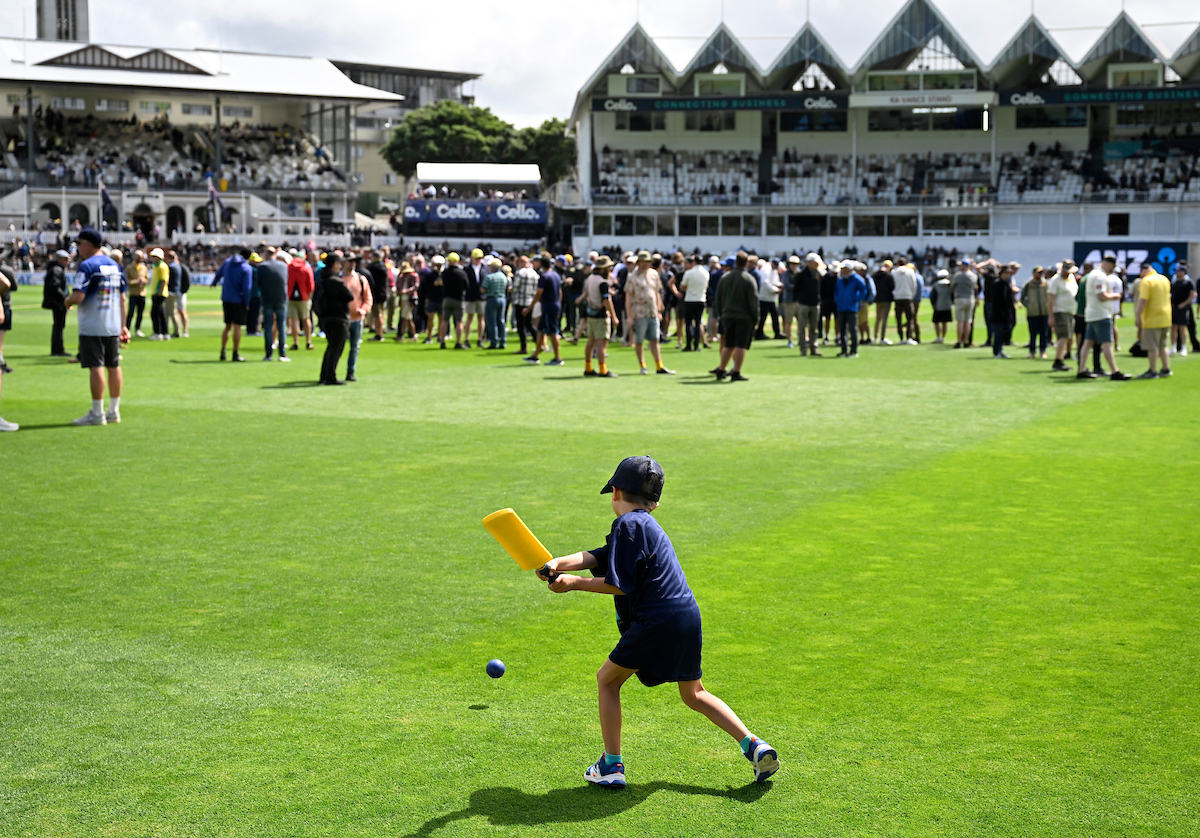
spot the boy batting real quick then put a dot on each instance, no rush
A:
(657, 617)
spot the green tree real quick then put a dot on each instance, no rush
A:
(447, 132)
(548, 146)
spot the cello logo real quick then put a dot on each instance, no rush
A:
(821, 103)
(459, 211)
(619, 105)
(518, 212)
(411, 213)
(1026, 99)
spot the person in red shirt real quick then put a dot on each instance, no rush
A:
(300, 289)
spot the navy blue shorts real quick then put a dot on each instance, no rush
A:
(662, 651)
(548, 323)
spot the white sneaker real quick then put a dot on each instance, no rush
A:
(1183, 352)
(91, 418)
(185, 334)
(112, 417)
(5, 425)
(140, 333)
(887, 342)
(644, 371)
(911, 342)
(287, 359)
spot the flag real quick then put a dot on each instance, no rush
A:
(215, 196)
(106, 203)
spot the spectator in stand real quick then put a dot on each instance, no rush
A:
(453, 283)
(273, 284)
(904, 288)
(1060, 294)
(138, 278)
(432, 294)
(1099, 315)
(406, 291)
(7, 282)
(549, 294)
(360, 308)
(807, 290)
(160, 283)
(1001, 293)
(737, 306)
(942, 300)
(335, 300)
(474, 306)
(377, 272)
(300, 290)
(852, 291)
(234, 276)
(964, 290)
(1035, 299)
(1183, 294)
(525, 284)
(55, 290)
(100, 292)
(885, 286)
(644, 309)
(693, 285)
(1152, 315)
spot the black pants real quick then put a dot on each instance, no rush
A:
(1191, 324)
(524, 325)
(137, 305)
(847, 330)
(158, 318)
(253, 313)
(692, 312)
(765, 309)
(904, 319)
(56, 331)
(336, 332)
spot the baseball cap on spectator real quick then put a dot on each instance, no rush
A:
(943, 274)
(91, 235)
(62, 254)
(439, 259)
(729, 260)
(965, 261)
(477, 253)
(562, 260)
(157, 253)
(638, 475)
(793, 259)
(452, 257)
(254, 257)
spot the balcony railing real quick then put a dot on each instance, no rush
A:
(1105, 196)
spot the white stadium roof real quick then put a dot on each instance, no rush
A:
(514, 173)
(201, 70)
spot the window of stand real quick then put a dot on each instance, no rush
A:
(1159, 114)
(710, 121)
(635, 121)
(798, 121)
(1054, 116)
(925, 119)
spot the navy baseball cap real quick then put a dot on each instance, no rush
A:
(638, 475)
(90, 235)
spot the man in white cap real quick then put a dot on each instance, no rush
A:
(159, 289)
(807, 291)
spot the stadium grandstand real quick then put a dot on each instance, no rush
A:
(195, 144)
(919, 144)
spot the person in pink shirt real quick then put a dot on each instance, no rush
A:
(360, 307)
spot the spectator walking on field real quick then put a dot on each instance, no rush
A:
(643, 309)
(599, 316)
(1183, 294)
(55, 290)
(942, 300)
(179, 318)
(406, 290)
(335, 300)
(694, 287)
(1001, 294)
(549, 295)
(273, 285)
(904, 288)
(10, 286)
(1099, 316)
(1152, 316)
(852, 292)
(160, 284)
(525, 283)
(360, 308)
(494, 290)
(964, 290)
(737, 307)
(807, 290)
(100, 292)
(5, 287)
(235, 280)
(138, 278)
(1035, 298)
(885, 286)
(300, 290)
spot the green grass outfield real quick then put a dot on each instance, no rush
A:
(960, 596)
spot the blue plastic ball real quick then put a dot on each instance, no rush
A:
(495, 668)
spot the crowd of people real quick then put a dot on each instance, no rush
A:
(640, 300)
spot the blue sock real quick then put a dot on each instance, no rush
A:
(610, 759)
(745, 743)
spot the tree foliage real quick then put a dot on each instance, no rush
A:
(451, 132)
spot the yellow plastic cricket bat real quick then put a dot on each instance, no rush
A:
(508, 528)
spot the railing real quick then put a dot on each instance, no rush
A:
(968, 200)
(17, 178)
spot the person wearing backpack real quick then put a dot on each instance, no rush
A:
(331, 302)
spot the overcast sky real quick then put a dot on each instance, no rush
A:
(535, 54)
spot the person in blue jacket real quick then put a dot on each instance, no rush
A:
(851, 290)
(234, 275)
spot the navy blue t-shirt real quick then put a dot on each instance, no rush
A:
(638, 558)
(551, 284)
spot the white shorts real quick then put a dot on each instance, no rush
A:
(963, 309)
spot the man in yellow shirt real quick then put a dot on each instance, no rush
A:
(1153, 318)
(160, 279)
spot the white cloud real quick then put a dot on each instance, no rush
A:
(535, 54)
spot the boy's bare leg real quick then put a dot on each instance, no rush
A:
(610, 679)
(714, 709)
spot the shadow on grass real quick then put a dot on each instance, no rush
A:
(706, 380)
(46, 427)
(206, 361)
(513, 807)
(290, 385)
